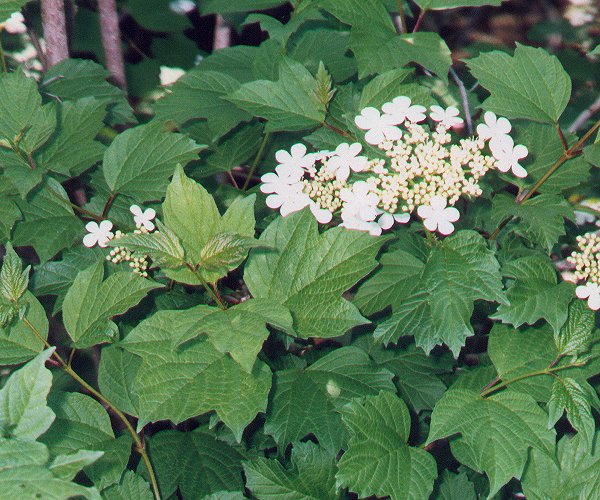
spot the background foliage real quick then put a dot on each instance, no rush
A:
(263, 357)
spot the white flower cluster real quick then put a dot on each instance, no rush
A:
(101, 234)
(587, 268)
(424, 170)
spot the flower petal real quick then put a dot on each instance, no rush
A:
(445, 227)
(90, 240)
(582, 291)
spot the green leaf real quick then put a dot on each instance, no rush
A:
(234, 150)
(140, 160)
(240, 330)
(13, 279)
(287, 104)
(109, 468)
(196, 462)
(9, 214)
(56, 277)
(24, 123)
(17, 342)
(378, 461)
(192, 214)
(417, 375)
(307, 272)
(453, 486)
(516, 353)
(384, 87)
(49, 224)
(116, 371)
(311, 474)
(206, 379)
(72, 149)
(453, 4)
(38, 482)
(24, 412)
(132, 486)
(569, 395)
(532, 84)
(307, 401)
(378, 52)
(496, 432)
(73, 79)
(573, 473)
(535, 293)
(67, 466)
(436, 304)
(20, 452)
(545, 147)
(541, 218)
(200, 94)
(225, 251)
(90, 303)
(576, 334)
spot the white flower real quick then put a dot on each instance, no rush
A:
(591, 292)
(387, 220)
(400, 109)
(495, 129)
(508, 156)
(143, 218)
(447, 117)
(322, 215)
(296, 162)
(100, 234)
(360, 208)
(436, 217)
(380, 127)
(15, 24)
(345, 159)
(285, 190)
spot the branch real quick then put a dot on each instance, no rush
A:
(55, 31)
(465, 100)
(402, 16)
(573, 151)
(584, 116)
(111, 41)
(139, 444)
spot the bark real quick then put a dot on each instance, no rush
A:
(111, 41)
(55, 31)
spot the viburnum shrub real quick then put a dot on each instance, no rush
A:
(314, 268)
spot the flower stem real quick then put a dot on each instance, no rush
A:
(139, 444)
(257, 158)
(568, 154)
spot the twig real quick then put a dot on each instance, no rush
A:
(419, 21)
(55, 31)
(337, 130)
(573, 151)
(563, 139)
(108, 204)
(402, 16)
(465, 100)
(111, 41)
(257, 158)
(139, 444)
(584, 116)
